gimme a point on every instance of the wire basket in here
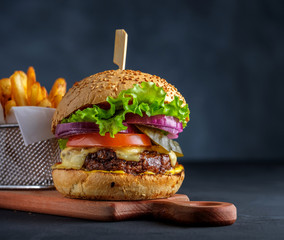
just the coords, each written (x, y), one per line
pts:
(25, 167)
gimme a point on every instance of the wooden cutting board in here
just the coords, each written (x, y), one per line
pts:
(177, 209)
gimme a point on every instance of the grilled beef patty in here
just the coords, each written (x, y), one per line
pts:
(106, 159)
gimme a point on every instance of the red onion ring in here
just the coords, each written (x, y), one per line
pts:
(166, 123)
(65, 130)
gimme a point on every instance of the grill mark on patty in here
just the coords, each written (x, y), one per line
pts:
(106, 159)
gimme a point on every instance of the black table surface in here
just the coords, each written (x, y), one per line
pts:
(257, 190)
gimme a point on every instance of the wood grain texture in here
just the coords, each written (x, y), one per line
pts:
(177, 209)
(120, 48)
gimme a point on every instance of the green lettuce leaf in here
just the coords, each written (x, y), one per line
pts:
(145, 98)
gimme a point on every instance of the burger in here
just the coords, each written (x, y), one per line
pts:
(116, 131)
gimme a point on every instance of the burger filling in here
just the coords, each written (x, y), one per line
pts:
(133, 135)
(133, 160)
(145, 99)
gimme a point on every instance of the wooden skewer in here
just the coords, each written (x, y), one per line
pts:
(120, 48)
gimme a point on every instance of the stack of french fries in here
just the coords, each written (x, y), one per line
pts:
(22, 89)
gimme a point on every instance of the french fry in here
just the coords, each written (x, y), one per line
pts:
(22, 89)
(58, 88)
(44, 92)
(24, 80)
(44, 103)
(5, 90)
(5, 87)
(56, 100)
(36, 95)
(19, 93)
(41, 95)
(31, 79)
(9, 105)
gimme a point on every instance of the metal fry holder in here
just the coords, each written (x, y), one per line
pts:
(25, 167)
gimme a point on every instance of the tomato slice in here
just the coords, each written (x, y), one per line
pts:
(119, 140)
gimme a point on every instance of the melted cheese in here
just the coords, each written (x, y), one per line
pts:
(175, 170)
(74, 158)
(173, 158)
(147, 172)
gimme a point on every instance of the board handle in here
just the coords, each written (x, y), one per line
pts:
(195, 213)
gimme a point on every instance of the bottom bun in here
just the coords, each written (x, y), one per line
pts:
(110, 186)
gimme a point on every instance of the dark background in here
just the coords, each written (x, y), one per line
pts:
(225, 57)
